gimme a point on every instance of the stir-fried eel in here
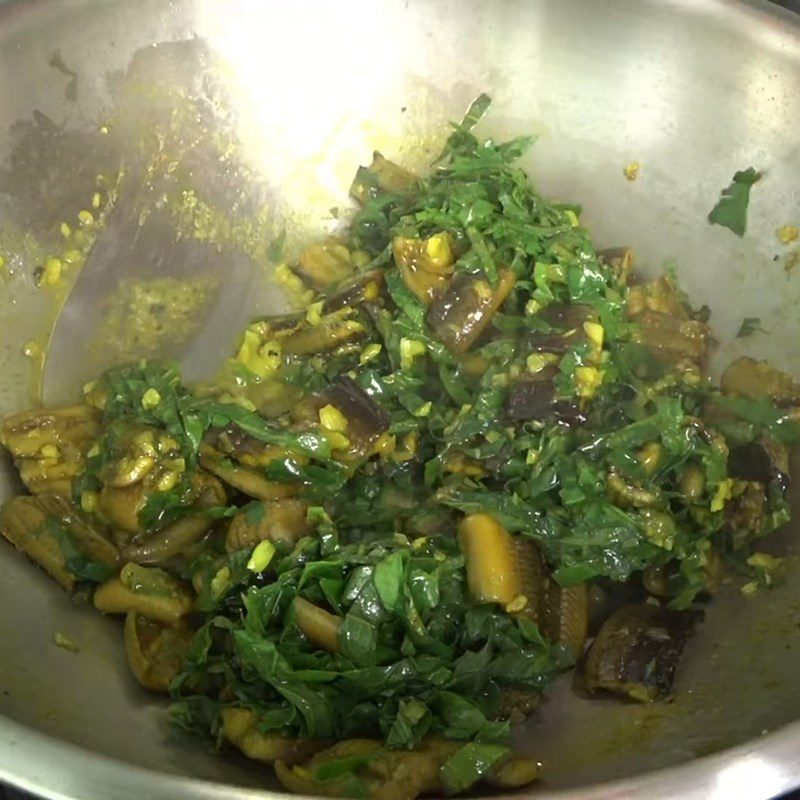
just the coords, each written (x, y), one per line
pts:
(480, 454)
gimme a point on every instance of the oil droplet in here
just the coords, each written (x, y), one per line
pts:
(32, 350)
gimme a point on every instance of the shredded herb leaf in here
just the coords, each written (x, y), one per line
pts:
(464, 768)
(748, 327)
(731, 209)
(408, 635)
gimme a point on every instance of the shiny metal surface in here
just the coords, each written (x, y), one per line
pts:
(303, 92)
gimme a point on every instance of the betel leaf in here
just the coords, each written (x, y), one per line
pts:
(358, 638)
(254, 512)
(476, 111)
(77, 563)
(324, 479)
(484, 255)
(464, 720)
(749, 326)
(469, 764)
(731, 209)
(198, 715)
(388, 579)
(425, 588)
(308, 443)
(162, 508)
(778, 423)
(462, 134)
(370, 687)
(338, 768)
(314, 707)
(405, 300)
(263, 657)
(412, 722)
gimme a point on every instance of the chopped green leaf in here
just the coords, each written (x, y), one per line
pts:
(82, 567)
(731, 209)
(749, 326)
(778, 423)
(469, 764)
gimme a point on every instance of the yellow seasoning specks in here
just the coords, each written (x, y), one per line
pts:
(51, 274)
(631, 171)
(64, 642)
(518, 604)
